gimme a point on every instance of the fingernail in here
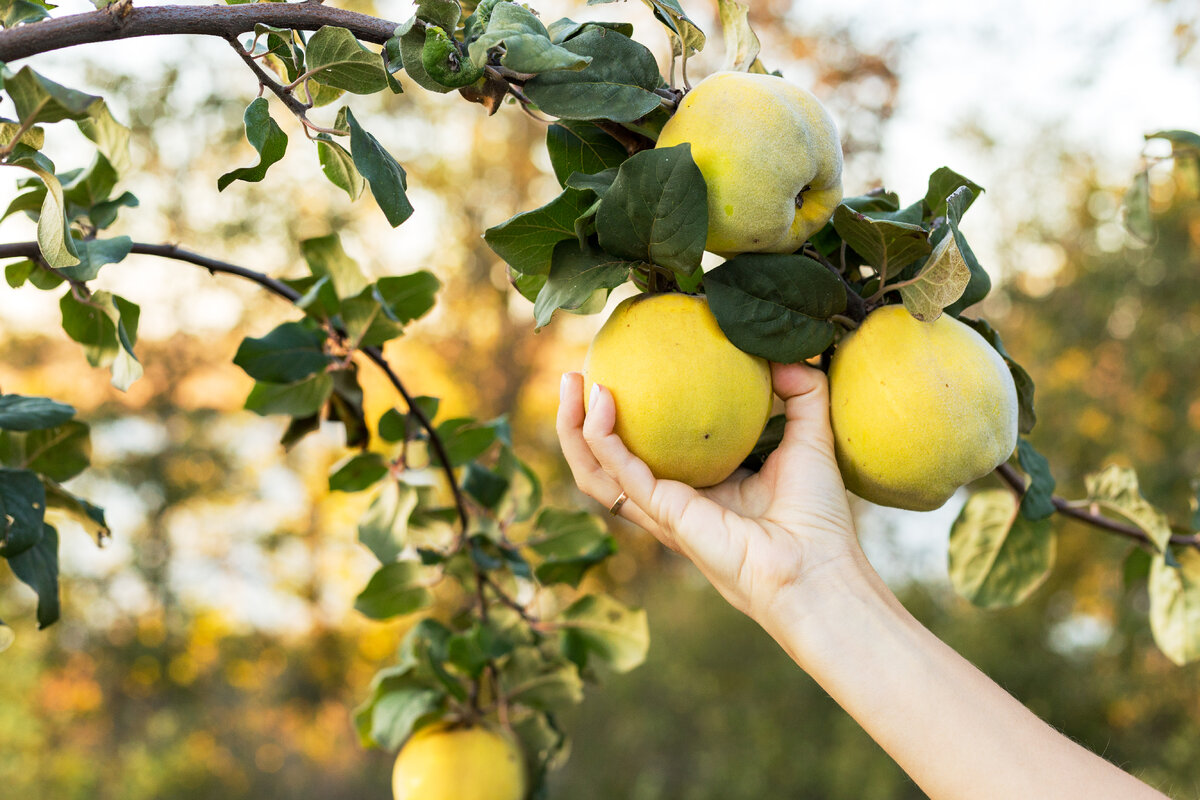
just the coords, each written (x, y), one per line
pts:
(562, 387)
(594, 396)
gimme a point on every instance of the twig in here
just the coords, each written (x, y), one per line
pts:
(1010, 476)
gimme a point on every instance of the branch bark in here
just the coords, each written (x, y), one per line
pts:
(223, 21)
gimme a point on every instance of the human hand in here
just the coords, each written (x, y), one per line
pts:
(756, 536)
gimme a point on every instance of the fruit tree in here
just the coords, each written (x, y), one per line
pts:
(721, 204)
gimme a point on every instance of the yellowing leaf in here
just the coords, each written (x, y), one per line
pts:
(940, 284)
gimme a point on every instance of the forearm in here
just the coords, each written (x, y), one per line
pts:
(956, 733)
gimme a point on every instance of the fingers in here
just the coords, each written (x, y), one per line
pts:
(589, 476)
(805, 394)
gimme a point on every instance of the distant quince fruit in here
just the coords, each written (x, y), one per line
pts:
(918, 408)
(771, 158)
(467, 762)
(689, 403)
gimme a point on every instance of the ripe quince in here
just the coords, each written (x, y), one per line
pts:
(918, 408)
(770, 156)
(459, 762)
(689, 403)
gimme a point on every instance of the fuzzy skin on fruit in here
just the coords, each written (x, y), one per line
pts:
(689, 403)
(770, 155)
(918, 408)
(443, 762)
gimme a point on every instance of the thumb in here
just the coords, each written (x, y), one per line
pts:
(805, 394)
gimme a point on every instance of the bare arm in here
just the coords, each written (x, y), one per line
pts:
(780, 546)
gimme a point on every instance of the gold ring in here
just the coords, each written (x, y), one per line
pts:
(615, 508)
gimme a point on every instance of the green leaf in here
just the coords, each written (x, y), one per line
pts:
(92, 185)
(884, 244)
(1138, 219)
(525, 42)
(22, 511)
(394, 590)
(484, 486)
(39, 99)
(1115, 488)
(684, 32)
(527, 241)
(16, 12)
(21, 413)
(570, 543)
(1026, 418)
(291, 352)
(597, 626)
(980, 283)
(656, 210)
(106, 326)
(400, 701)
(59, 453)
(941, 282)
(532, 680)
(110, 136)
(299, 399)
(54, 239)
(943, 183)
(1175, 605)
(265, 136)
(387, 178)
(337, 59)
(775, 306)
(575, 276)
(1038, 501)
(357, 473)
(16, 273)
(465, 439)
(576, 146)
(325, 257)
(563, 29)
(1136, 569)
(37, 568)
(380, 311)
(96, 253)
(338, 166)
(34, 138)
(618, 84)
(383, 529)
(105, 213)
(998, 557)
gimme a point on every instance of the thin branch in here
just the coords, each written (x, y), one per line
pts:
(1010, 476)
(212, 20)
(30, 250)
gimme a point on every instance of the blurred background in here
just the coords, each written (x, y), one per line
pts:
(211, 648)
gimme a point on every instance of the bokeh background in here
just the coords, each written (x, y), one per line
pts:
(211, 650)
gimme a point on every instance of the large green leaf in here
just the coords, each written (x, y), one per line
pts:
(22, 511)
(656, 210)
(532, 680)
(37, 568)
(527, 241)
(570, 543)
(575, 277)
(886, 245)
(386, 178)
(21, 413)
(400, 701)
(110, 136)
(997, 556)
(336, 58)
(577, 146)
(1175, 605)
(395, 589)
(943, 183)
(61, 452)
(266, 137)
(775, 306)
(289, 353)
(383, 529)
(39, 99)
(325, 257)
(598, 627)
(618, 84)
(338, 166)
(300, 399)
(54, 239)
(106, 325)
(96, 253)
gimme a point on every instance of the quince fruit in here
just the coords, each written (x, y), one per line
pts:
(689, 403)
(918, 408)
(771, 158)
(459, 762)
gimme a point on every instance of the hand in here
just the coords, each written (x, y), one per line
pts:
(756, 536)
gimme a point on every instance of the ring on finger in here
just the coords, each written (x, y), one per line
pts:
(615, 508)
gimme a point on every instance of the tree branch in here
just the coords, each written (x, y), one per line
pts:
(223, 21)
(31, 251)
(1010, 476)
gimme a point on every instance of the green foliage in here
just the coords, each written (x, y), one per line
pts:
(997, 556)
(265, 136)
